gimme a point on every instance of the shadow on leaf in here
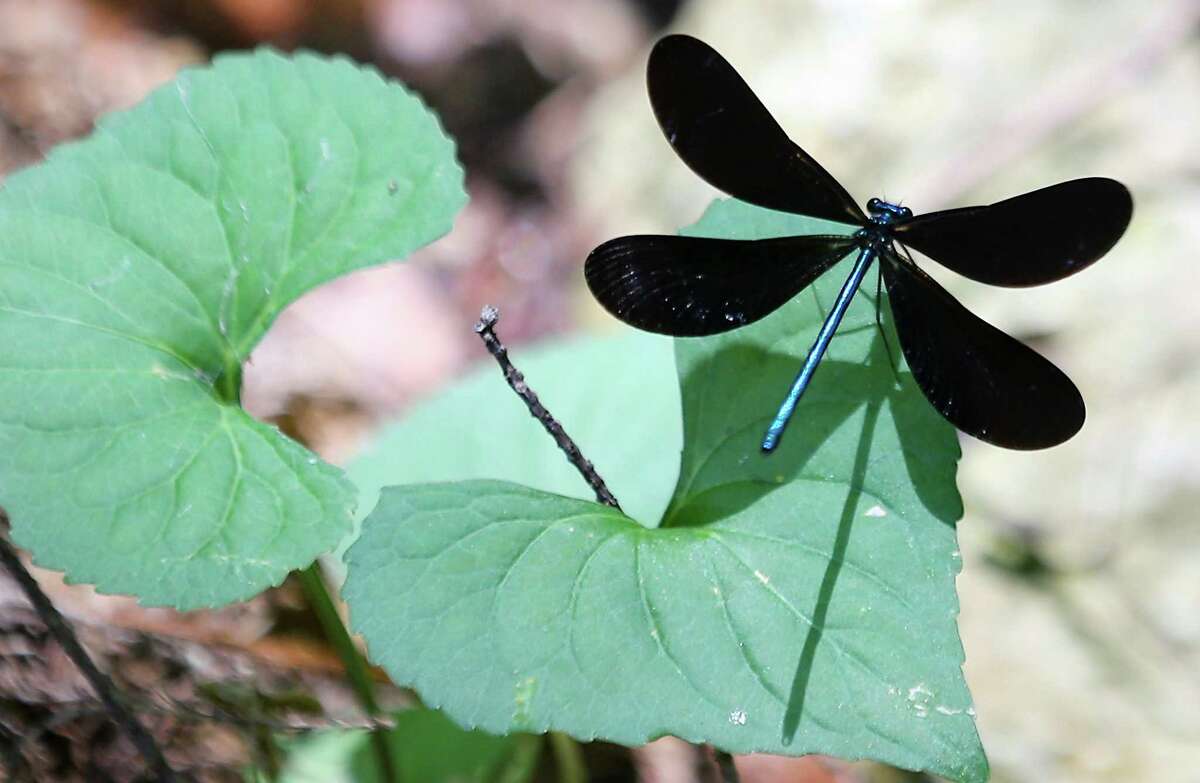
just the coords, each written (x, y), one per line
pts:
(728, 473)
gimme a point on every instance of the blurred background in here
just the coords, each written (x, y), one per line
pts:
(1081, 583)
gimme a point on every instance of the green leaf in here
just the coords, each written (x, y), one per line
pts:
(139, 267)
(615, 396)
(796, 603)
(430, 747)
(427, 746)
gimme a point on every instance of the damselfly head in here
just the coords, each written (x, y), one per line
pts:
(886, 213)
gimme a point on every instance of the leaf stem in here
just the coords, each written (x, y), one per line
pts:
(486, 329)
(522, 763)
(356, 667)
(229, 384)
(61, 630)
(568, 758)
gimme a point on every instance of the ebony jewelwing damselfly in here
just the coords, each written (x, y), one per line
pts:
(983, 381)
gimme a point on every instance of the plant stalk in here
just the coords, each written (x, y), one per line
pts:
(357, 671)
(568, 757)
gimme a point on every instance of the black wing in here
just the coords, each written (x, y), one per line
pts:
(985, 382)
(1029, 239)
(695, 286)
(724, 133)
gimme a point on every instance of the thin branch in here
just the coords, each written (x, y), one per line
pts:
(486, 329)
(101, 684)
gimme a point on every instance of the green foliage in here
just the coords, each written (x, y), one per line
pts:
(797, 603)
(428, 747)
(616, 397)
(138, 269)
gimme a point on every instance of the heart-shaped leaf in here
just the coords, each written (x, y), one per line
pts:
(796, 603)
(137, 270)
